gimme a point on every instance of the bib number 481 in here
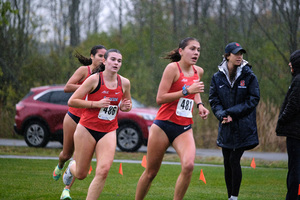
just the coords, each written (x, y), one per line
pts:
(185, 107)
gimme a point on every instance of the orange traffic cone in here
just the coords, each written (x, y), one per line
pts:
(120, 169)
(144, 161)
(90, 171)
(202, 178)
(253, 165)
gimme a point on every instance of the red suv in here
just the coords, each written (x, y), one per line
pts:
(39, 118)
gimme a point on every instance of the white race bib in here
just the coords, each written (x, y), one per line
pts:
(108, 113)
(185, 107)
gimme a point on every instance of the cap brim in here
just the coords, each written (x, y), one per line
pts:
(236, 50)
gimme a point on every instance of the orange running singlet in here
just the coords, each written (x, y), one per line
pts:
(78, 111)
(179, 111)
(104, 119)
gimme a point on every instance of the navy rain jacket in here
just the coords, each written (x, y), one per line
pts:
(239, 100)
(289, 116)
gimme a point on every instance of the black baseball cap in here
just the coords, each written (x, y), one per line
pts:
(234, 47)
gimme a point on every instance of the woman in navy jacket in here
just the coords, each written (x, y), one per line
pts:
(288, 125)
(233, 96)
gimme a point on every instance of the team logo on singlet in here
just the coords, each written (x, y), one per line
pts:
(112, 98)
(184, 80)
(105, 92)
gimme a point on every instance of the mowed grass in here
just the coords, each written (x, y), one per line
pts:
(32, 179)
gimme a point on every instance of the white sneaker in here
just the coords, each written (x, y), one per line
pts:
(68, 176)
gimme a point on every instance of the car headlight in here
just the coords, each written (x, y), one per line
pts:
(146, 116)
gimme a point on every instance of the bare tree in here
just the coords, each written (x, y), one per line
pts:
(180, 10)
(223, 13)
(196, 13)
(59, 16)
(152, 33)
(261, 18)
(16, 40)
(74, 22)
(174, 8)
(94, 14)
(291, 14)
(201, 14)
(120, 19)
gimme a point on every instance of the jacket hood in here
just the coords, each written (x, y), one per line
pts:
(296, 72)
(223, 68)
(223, 65)
(295, 61)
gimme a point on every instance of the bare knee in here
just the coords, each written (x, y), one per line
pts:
(150, 174)
(188, 167)
(81, 175)
(102, 172)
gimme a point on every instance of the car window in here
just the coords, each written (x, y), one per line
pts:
(45, 97)
(56, 97)
(27, 95)
(137, 104)
(60, 97)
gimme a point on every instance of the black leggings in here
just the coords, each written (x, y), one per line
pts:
(233, 170)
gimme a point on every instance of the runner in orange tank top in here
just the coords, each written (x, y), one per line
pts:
(106, 92)
(103, 120)
(75, 113)
(170, 111)
(90, 65)
(179, 88)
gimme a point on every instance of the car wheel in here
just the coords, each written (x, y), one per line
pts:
(129, 138)
(36, 134)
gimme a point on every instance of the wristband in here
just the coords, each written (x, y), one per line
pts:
(199, 104)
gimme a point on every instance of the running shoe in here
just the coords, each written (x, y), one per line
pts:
(65, 195)
(57, 173)
(68, 176)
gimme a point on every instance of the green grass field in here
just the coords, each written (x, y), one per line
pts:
(32, 179)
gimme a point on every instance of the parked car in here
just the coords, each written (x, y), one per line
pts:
(39, 118)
